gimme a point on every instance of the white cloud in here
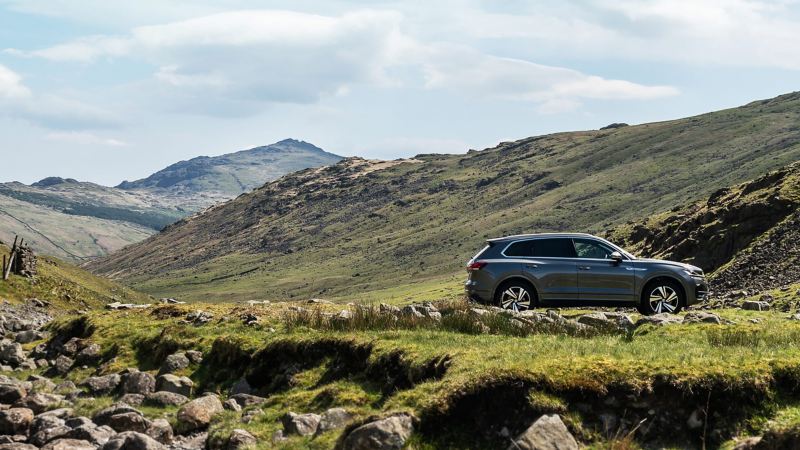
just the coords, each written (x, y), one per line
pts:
(11, 86)
(84, 138)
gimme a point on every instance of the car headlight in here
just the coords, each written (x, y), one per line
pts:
(693, 273)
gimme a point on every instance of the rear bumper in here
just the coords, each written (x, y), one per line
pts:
(475, 294)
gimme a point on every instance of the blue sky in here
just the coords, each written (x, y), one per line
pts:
(104, 90)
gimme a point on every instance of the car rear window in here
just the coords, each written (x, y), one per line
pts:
(551, 247)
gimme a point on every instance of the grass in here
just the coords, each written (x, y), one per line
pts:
(444, 375)
(66, 287)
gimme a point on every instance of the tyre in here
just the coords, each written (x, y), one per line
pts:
(515, 295)
(662, 296)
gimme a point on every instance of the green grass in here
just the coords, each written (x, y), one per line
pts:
(373, 371)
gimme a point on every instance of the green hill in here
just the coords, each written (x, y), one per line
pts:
(391, 229)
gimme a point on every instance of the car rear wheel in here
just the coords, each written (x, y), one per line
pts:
(515, 296)
(662, 296)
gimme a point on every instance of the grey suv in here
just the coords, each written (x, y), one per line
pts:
(575, 269)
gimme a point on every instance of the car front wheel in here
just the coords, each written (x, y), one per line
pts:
(662, 296)
(515, 296)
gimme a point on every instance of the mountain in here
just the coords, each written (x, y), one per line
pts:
(746, 235)
(210, 179)
(391, 229)
(79, 220)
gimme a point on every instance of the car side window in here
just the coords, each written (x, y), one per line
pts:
(520, 248)
(587, 248)
(554, 248)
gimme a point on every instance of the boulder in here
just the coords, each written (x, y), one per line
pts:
(128, 421)
(40, 402)
(138, 383)
(197, 414)
(62, 365)
(240, 438)
(241, 386)
(390, 433)
(231, 405)
(658, 319)
(11, 352)
(701, 317)
(160, 430)
(302, 424)
(28, 336)
(546, 433)
(753, 305)
(163, 398)
(103, 417)
(68, 444)
(102, 385)
(174, 362)
(334, 418)
(132, 399)
(18, 446)
(195, 356)
(245, 400)
(92, 433)
(15, 421)
(131, 440)
(10, 393)
(45, 421)
(75, 422)
(173, 383)
(42, 384)
(42, 437)
(61, 413)
(89, 355)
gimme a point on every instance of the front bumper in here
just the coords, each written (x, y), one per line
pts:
(697, 290)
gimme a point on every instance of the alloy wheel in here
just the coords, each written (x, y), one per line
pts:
(664, 299)
(516, 298)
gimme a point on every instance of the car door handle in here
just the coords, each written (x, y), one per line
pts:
(584, 267)
(531, 266)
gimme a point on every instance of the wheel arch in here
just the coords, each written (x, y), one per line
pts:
(662, 277)
(516, 278)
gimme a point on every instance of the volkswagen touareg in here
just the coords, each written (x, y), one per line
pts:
(575, 269)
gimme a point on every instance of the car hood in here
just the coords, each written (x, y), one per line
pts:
(664, 262)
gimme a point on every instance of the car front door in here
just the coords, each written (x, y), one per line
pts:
(601, 278)
(552, 269)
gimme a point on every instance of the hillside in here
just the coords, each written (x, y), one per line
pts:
(80, 220)
(748, 235)
(392, 229)
(223, 177)
(65, 286)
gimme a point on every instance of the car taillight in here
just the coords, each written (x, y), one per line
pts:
(477, 265)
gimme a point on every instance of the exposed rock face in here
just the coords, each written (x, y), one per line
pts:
(390, 433)
(546, 433)
(197, 414)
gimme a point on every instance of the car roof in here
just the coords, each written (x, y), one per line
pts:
(536, 235)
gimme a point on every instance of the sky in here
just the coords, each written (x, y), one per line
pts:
(106, 90)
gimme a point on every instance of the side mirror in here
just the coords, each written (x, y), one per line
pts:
(616, 257)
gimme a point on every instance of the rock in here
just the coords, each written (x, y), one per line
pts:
(302, 424)
(164, 398)
(752, 305)
(160, 430)
(42, 384)
(658, 319)
(44, 436)
(138, 383)
(102, 385)
(251, 414)
(89, 355)
(750, 443)
(388, 309)
(333, 418)
(695, 420)
(15, 421)
(197, 414)
(195, 356)
(241, 386)
(70, 348)
(231, 405)
(103, 417)
(28, 336)
(75, 422)
(546, 433)
(60, 413)
(199, 318)
(600, 321)
(92, 433)
(701, 317)
(132, 399)
(11, 352)
(194, 441)
(10, 393)
(390, 433)
(174, 362)
(62, 365)
(68, 444)
(173, 383)
(411, 311)
(132, 440)
(43, 422)
(128, 421)
(40, 402)
(240, 438)
(245, 400)
(278, 436)
(18, 446)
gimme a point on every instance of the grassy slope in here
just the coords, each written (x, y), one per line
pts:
(695, 366)
(66, 236)
(65, 286)
(409, 228)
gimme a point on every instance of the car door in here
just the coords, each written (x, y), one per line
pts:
(599, 277)
(551, 267)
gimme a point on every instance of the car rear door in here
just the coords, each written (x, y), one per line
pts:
(552, 269)
(599, 277)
